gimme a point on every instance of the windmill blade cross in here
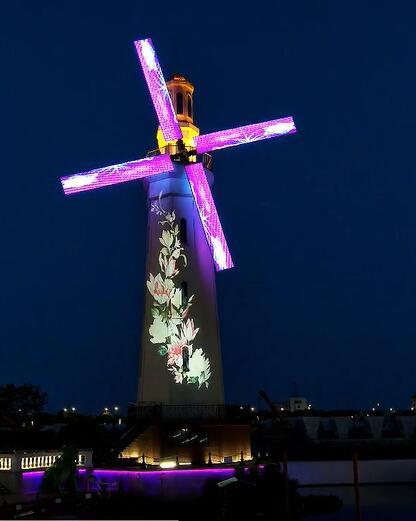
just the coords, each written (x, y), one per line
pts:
(172, 132)
(209, 216)
(247, 134)
(158, 90)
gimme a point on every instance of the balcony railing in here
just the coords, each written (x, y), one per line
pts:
(173, 149)
(181, 412)
(19, 460)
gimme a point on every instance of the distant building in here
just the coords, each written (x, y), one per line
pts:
(413, 402)
(295, 403)
(298, 403)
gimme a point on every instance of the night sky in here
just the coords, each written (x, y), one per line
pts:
(321, 225)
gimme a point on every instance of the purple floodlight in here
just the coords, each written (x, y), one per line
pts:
(158, 90)
(111, 175)
(209, 216)
(247, 134)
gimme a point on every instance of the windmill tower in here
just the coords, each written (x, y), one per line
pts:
(180, 347)
(181, 361)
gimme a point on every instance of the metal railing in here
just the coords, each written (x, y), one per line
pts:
(22, 460)
(181, 412)
(173, 149)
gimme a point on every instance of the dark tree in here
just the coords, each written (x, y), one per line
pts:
(20, 404)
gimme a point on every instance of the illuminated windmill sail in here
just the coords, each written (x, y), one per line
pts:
(171, 130)
(181, 359)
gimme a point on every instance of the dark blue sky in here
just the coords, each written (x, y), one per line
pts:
(322, 225)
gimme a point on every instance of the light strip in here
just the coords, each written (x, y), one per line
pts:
(111, 175)
(209, 216)
(242, 135)
(158, 90)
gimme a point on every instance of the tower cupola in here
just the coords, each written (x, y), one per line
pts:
(181, 92)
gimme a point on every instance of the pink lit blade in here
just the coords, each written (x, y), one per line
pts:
(115, 174)
(209, 216)
(158, 90)
(242, 135)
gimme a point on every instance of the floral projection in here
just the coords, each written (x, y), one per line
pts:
(172, 328)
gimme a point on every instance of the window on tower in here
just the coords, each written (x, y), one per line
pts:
(185, 359)
(183, 232)
(184, 293)
(189, 106)
(179, 103)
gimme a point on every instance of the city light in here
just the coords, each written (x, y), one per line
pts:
(171, 464)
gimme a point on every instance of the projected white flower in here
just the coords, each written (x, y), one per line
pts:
(159, 331)
(199, 367)
(172, 329)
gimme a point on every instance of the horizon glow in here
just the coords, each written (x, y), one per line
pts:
(247, 134)
(158, 90)
(115, 174)
(209, 216)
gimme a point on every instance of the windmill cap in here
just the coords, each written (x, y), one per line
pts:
(179, 78)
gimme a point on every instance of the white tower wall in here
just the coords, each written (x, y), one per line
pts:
(171, 193)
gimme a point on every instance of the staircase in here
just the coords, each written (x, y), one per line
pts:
(145, 421)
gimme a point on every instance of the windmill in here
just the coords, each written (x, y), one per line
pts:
(181, 361)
